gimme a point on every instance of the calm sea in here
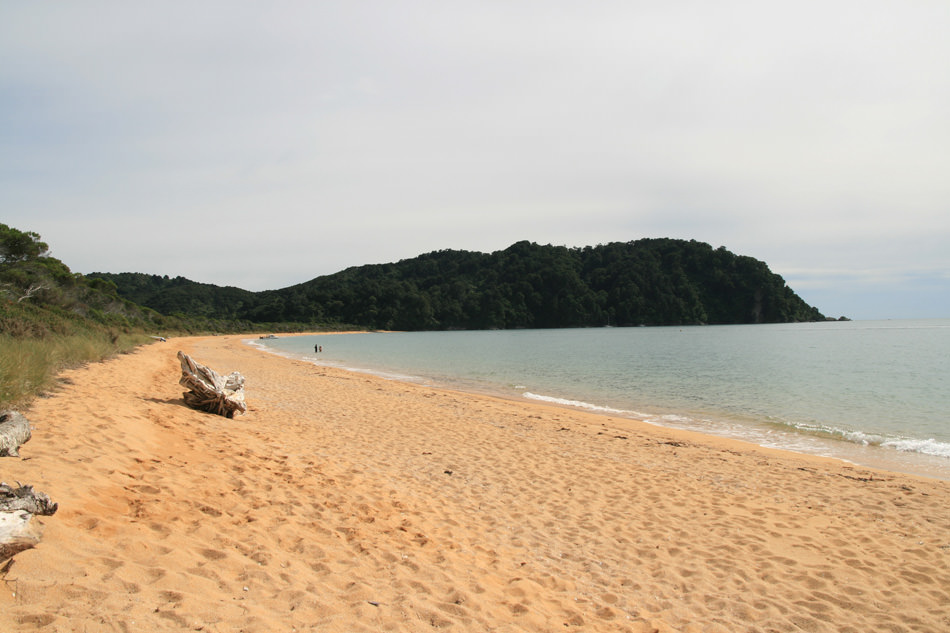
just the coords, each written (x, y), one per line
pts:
(871, 392)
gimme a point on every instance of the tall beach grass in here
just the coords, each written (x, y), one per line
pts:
(28, 366)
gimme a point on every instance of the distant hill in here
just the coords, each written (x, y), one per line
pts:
(644, 282)
(181, 296)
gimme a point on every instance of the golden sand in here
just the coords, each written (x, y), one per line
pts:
(343, 502)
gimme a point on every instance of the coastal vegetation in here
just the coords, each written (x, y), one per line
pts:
(644, 282)
(52, 318)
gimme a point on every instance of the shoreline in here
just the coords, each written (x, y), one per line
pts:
(797, 442)
(346, 502)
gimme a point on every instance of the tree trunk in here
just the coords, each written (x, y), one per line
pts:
(14, 431)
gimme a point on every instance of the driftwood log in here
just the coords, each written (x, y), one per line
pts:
(14, 431)
(209, 391)
(17, 507)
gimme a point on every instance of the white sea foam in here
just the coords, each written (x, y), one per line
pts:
(576, 403)
(926, 447)
(672, 418)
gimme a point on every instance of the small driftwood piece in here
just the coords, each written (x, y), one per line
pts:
(17, 507)
(209, 391)
(14, 431)
(25, 498)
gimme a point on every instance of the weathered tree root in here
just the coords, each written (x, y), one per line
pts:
(208, 391)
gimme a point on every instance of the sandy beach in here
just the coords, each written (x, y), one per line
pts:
(343, 502)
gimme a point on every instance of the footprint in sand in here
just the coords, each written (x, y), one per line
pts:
(213, 554)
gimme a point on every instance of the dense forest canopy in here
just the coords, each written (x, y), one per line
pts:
(527, 285)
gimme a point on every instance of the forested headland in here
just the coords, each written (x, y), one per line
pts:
(527, 285)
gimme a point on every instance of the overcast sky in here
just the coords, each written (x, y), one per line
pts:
(262, 144)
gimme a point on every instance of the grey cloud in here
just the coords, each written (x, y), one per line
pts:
(806, 134)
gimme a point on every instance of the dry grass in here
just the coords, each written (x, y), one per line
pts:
(28, 366)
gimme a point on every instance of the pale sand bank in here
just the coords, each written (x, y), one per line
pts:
(343, 502)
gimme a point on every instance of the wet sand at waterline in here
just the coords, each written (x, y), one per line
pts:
(346, 502)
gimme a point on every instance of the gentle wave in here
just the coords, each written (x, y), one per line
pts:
(577, 403)
(926, 447)
(667, 419)
(929, 446)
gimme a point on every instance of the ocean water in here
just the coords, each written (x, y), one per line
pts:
(874, 393)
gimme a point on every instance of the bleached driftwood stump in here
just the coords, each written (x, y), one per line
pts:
(17, 507)
(209, 391)
(14, 431)
(17, 533)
